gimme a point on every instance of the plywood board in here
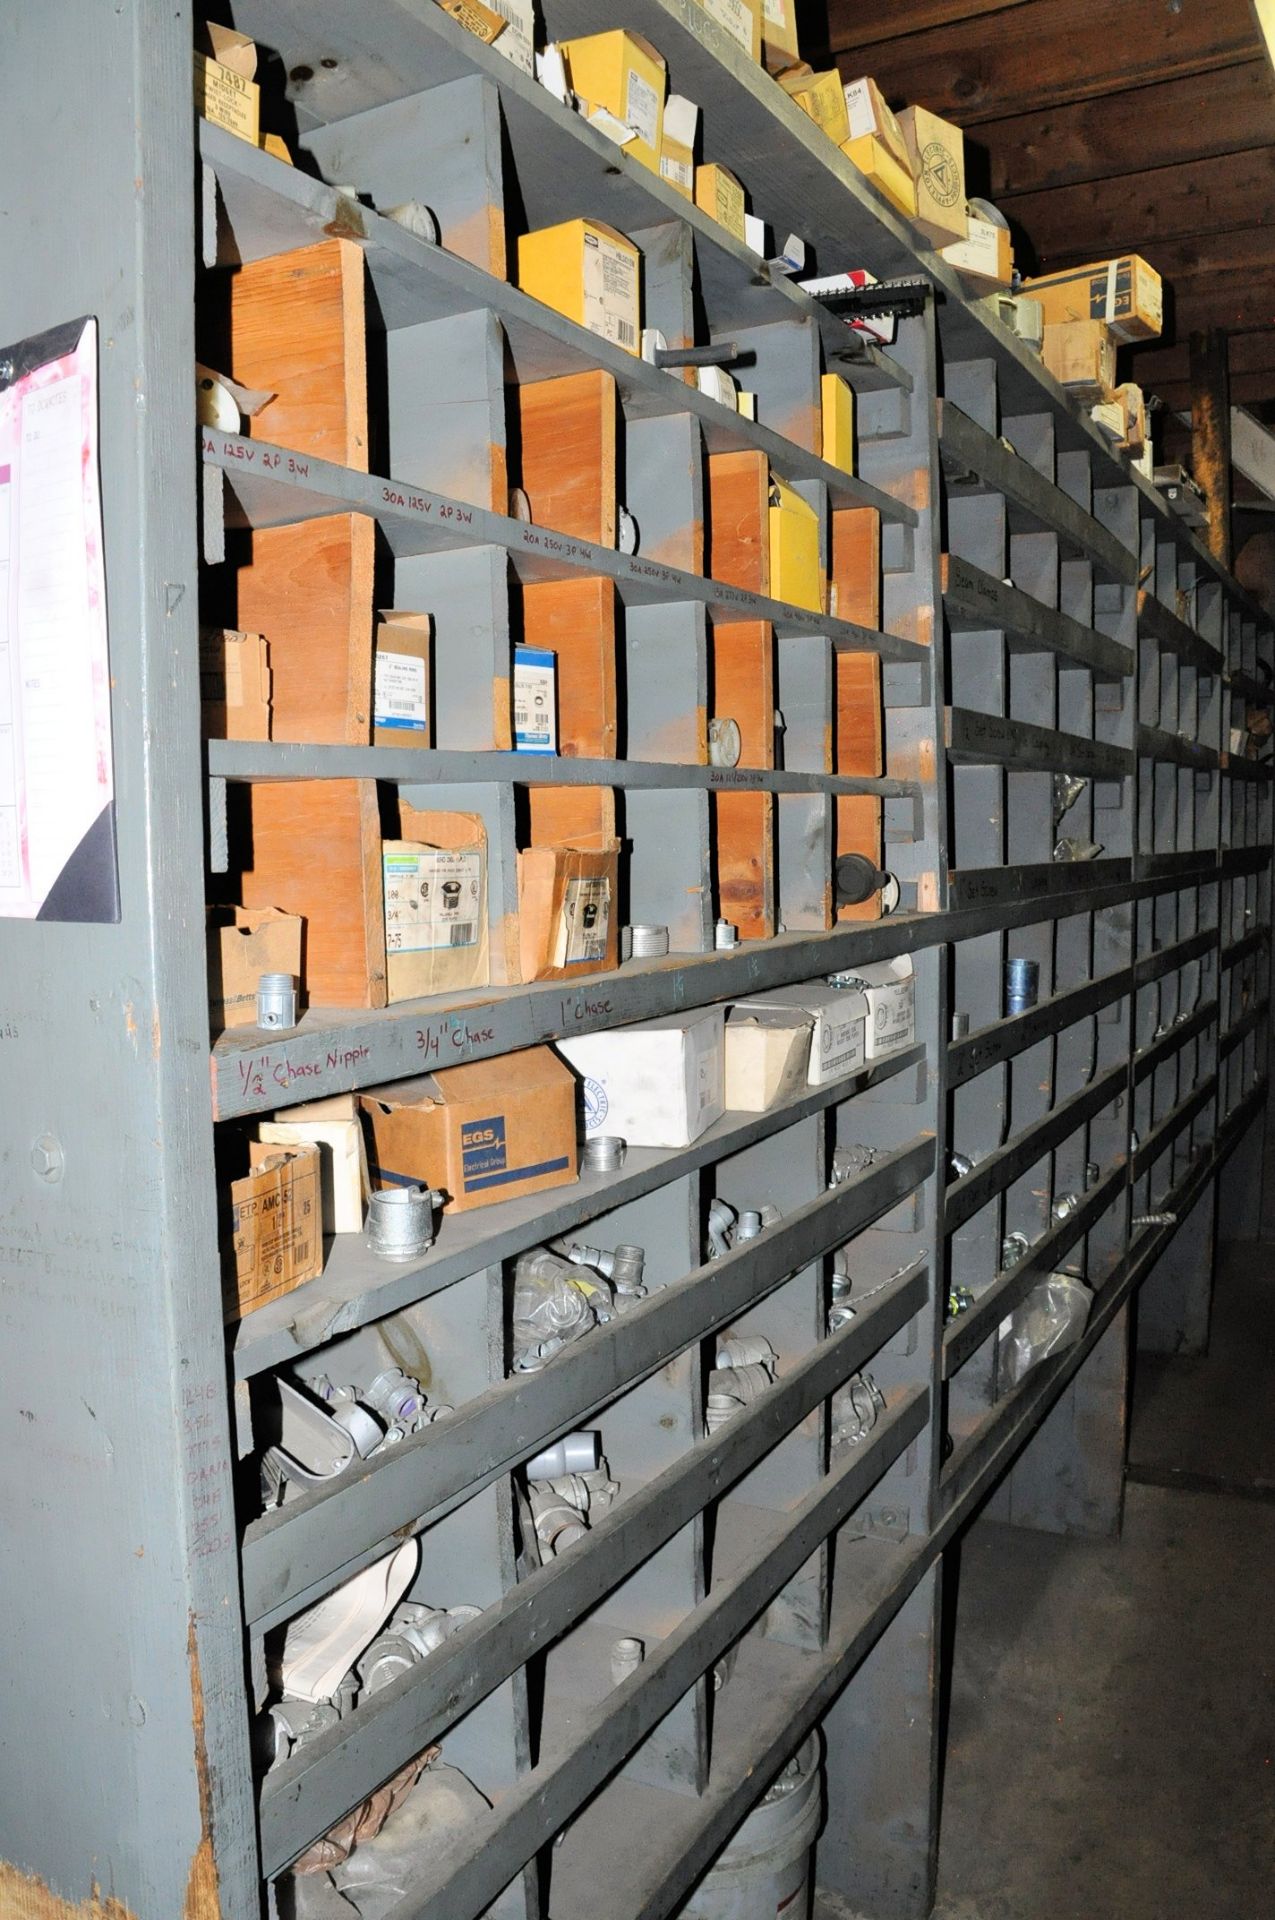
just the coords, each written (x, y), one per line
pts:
(575, 619)
(314, 848)
(855, 571)
(298, 329)
(739, 520)
(308, 589)
(744, 849)
(568, 434)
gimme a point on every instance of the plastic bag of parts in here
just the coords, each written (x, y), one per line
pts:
(554, 1303)
(1051, 1319)
(377, 1873)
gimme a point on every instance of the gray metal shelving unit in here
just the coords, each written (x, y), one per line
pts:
(1043, 612)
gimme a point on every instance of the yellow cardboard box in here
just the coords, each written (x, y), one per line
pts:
(837, 403)
(742, 21)
(1126, 293)
(588, 272)
(823, 97)
(796, 576)
(779, 34)
(482, 1132)
(719, 194)
(1081, 355)
(868, 116)
(886, 171)
(985, 258)
(677, 145)
(937, 151)
(225, 91)
(621, 73)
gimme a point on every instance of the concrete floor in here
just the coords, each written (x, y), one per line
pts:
(1111, 1749)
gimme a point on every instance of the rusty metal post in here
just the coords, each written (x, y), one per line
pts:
(1211, 434)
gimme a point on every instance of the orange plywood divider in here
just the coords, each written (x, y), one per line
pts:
(568, 431)
(860, 750)
(743, 664)
(298, 329)
(856, 566)
(308, 589)
(739, 520)
(315, 849)
(575, 619)
(570, 816)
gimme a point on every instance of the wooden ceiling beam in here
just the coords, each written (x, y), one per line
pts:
(1189, 119)
(851, 24)
(1054, 52)
(1247, 389)
(1144, 210)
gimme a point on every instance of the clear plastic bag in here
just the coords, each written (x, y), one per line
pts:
(1051, 1319)
(554, 1303)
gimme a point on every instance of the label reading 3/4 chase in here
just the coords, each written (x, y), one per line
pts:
(431, 899)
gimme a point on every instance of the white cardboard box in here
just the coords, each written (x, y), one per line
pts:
(767, 1053)
(333, 1127)
(837, 1018)
(889, 987)
(658, 1084)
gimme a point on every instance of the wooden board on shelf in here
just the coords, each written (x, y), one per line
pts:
(308, 588)
(568, 435)
(739, 520)
(298, 329)
(855, 571)
(575, 619)
(860, 750)
(313, 847)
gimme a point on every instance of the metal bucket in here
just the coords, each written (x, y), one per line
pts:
(764, 1869)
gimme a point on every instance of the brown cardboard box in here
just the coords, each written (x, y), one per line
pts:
(878, 163)
(742, 21)
(1125, 292)
(1081, 355)
(568, 910)
(484, 22)
(244, 943)
(823, 97)
(435, 905)
(225, 91)
(400, 681)
(234, 684)
(937, 151)
(985, 258)
(482, 1132)
(719, 194)
(869, 117)
(276, 1224)
(779, 34)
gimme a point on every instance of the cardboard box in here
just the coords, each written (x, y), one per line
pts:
(518, 41)
(837, 405)
(567, 910)
(890, 175)
(869, 118)
(836, 1019)
(985, 258)
(657, 1084)
(482, 1132)
(622, 75)
(400, 685)
(244, 943)
(276, 1227)
(742, 21)
(225, 91)
(1081, 355)
(823, 97)
(1126, 293)
(719, 194)
(766, 1057)
(588, 272)
(677, 145)
(535, 700)
(937, 151)
(436, 905)
(1133, 403)
(889, 988)
(333, 1126)
(779, 34)
(234, 684)
(484, 22)
(796, 574)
